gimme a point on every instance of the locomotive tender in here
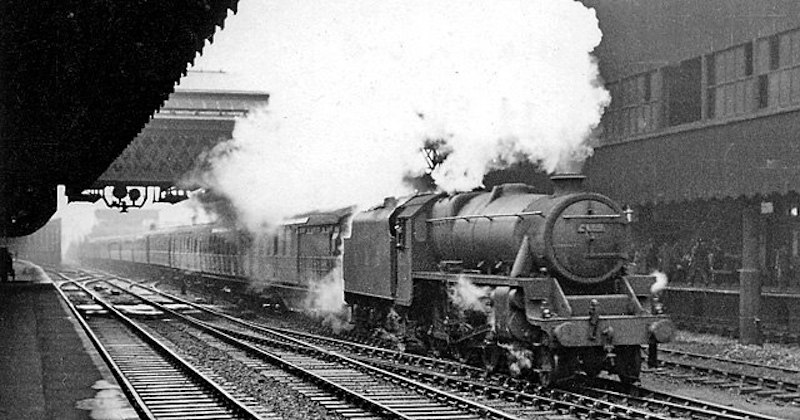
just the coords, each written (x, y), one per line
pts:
(545, 274)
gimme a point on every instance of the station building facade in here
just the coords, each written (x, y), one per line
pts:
(702, 141)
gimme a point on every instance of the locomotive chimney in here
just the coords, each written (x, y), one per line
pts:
(390, 202)
(566, 183)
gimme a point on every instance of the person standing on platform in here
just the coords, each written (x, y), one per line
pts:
(6, 264)
(698, 263)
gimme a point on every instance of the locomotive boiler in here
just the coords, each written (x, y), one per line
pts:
(545, 274)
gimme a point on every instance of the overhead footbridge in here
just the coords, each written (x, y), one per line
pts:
(157, 166)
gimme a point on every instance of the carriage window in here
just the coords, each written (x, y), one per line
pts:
(333, 241)
(400, 234)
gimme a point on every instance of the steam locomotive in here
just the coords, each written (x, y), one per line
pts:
(508, 278)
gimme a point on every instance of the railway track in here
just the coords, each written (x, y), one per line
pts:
(590, 398)
(343, 385)
(745, 377)
(612, 397)
(606, 390)
(158, 382)
(388, 395)
(489, 404)
(698, 356)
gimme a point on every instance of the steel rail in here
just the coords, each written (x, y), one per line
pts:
(611, 410)
(687, 405)
(230, 337)
(231, 403)
(127, 388)
(665, 399)
(730, 379)
(688, 354)
(570, 402)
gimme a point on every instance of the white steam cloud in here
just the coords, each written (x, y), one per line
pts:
(326, 295)
(467, 296)
(184, 213)
(660, 283)
(325, 299)
(519, 358)
(110, 403)
(357, 87)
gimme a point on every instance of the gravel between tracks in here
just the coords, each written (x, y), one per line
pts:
(769, 354)
(285, 402)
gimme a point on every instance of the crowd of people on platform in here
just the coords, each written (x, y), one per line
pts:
(694, 261)
(702, 261)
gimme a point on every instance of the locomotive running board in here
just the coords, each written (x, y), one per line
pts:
(477, 279)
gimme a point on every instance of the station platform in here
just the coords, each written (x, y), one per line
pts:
(48, 367)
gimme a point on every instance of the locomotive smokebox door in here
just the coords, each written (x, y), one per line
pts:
(585, 240)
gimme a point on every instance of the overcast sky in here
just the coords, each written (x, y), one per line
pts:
(357, 87)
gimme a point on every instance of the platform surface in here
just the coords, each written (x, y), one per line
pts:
(48, 367)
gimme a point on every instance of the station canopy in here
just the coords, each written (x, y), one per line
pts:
(746, 158)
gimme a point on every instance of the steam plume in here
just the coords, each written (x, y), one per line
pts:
(660, 284)
(326, 294)
(519, 358)
(466, 296)
(325, 299)
(358, 87)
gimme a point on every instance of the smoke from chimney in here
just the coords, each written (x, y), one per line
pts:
(357, 88)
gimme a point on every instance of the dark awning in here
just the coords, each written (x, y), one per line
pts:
(78, 81)
(756, 156)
